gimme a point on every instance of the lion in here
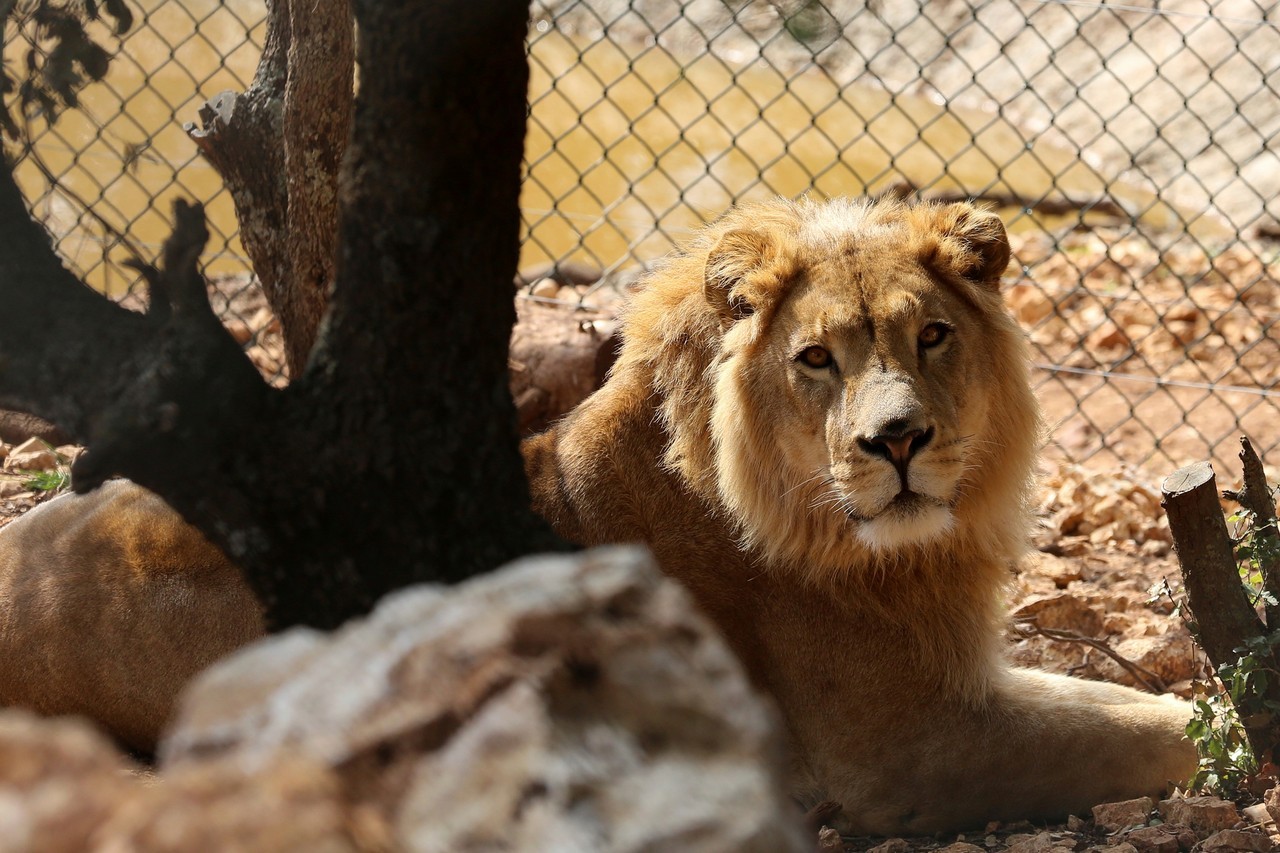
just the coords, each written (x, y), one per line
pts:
(822, 424)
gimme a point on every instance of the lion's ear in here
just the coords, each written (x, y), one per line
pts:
(738, 254)
(969, 242)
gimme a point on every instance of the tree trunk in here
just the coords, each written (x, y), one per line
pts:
(393, 458)
(278, 148)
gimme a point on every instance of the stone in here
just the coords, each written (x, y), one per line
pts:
(59, 781)
(962, 847)
(294, 804)
(10, 488)
(566, 702)
(1258, 814)
(1114, 817)
(1152, 839)
(1062, 610)
(1271, 799)
(1123, 847)
(893, 845)
(1040, 843)
(1237, 841)
(829, 841)
(545, 288)
(32, 455)
(1203, 814)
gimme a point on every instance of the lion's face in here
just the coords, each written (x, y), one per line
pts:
(870, 388)
(874, 371)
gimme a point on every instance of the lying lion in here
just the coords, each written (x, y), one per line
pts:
(821, 423)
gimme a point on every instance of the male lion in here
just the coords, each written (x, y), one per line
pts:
(821, 423)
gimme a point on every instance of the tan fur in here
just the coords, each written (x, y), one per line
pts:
(109, 603)
(873, 624)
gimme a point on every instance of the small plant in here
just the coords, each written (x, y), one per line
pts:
(1227, 763)
(48, 481)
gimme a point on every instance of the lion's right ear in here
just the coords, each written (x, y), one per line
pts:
(738, 254)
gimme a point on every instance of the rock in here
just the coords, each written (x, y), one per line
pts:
(1204, 814)
(32, 455)
(829, 841)
(17, 427)
(1258, 814)
(1041, 843)
(59, 781)
(1123, 847)
(10, 488)
(1059, 570)
(562, 703)
(1114, 817)
(544, 288)
(962, 847)
(1271, 799)
(559, 354)
(1152, 839)
(1233, 840)
(893, 845)
(1061, 610)
(1170, 655)
(294, 804)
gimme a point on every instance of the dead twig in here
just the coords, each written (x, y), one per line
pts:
(1026, 628)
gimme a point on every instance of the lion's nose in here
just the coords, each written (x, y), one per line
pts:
(898, 444)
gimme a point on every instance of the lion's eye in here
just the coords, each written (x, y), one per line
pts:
(933, 334)
(815, 357)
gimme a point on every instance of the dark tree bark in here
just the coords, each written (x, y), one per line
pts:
(278, 147)
(393, 458)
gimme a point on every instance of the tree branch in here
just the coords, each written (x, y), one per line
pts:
(44, 303)
(1148, 679)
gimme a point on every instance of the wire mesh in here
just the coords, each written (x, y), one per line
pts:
(1130, 148)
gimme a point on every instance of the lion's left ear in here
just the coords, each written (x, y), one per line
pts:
(966, 241)
(730, 267)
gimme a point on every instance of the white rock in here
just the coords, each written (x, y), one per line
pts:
(564, 703)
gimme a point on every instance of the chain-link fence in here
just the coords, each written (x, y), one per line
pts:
(1130, 148)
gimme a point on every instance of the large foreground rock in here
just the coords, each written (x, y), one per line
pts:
(564, 703)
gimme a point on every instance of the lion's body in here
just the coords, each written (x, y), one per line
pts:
(850, 526)
(109, 603)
